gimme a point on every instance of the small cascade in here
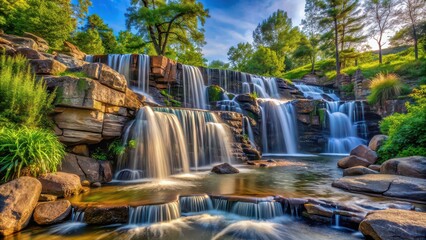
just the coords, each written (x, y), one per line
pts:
(315, 92)
(229, 105)
(265, 87)
(261, 210)
(247, 130)
(156, 147)
(89, 58)
(195, 203)
(143, 73)
(194, 91)
(77, 216)
(154, 213)
(221, 204)
(279, 127)
(343, 132)
(246, 88)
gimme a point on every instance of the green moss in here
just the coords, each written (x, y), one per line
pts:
(253, 95)
(322, 116)
(215, 93)
(349, 88)
(74, 74)
(82, 85)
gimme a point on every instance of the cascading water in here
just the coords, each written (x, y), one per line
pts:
(154, 213)
(166, 141)
(343, 119)
(279, 127)
(194, 91)
(247, 130)
(195, 203)
(265, 87)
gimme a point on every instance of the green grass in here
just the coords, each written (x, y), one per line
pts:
(74, 74)
(384, 87)
(24, 100)
(32, 151)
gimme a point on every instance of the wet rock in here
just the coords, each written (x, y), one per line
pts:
(271, 161)
(375, 167)
(60, 184)
(305, 105)
(358, 170)
(82, 150)
(47, 198)
(251, 163)
(264, 165)
(224, 168)
(18, 198)
(414, 166)
(96, 185)
(86, 168)
(394, 224)
(52, 212)
(365, 152)
(103, 215)
(377, 141)
(313, 209)
(387, 185)
(47, 66)
(85, 183)
(352, 161)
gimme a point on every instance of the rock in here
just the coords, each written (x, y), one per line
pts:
(96, 184)
(105, 171)
(30, 53)
(18, 198)
(375, 167)
(377, 141)
(87, 168)
(52, 212)
(8, 50)
(73, 137)
(318, 210)
(85, 183)
(79, 119)
(42, 44)
(414, 166)
(250, 163)
(305, 105)
(47, 198)
(73, 51)
(387, 185)
(60, 184)
(358, 170)
(47, 66)
(106, 76)
(103, 215)
(352, 161)
(365, 152)
(264, 165)
(394, 224)
(82, 150)
(113, 125)
(70, 62)
(224, 168)
(20, 41)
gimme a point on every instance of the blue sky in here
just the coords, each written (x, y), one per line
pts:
(230, 22)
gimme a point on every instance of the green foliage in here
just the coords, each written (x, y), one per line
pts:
(217, 64)
(100, 154)
(253, 95)
(9, 9)
(89, 41)
(77, 74)
(215, 93)
(130, 43)
(264, 62)
(168, 23)
(384, 87)
(407, 132)
(190, 56)
(239, 55)
(349, 88)
(28, 150)
(23, 99)
(170, 101)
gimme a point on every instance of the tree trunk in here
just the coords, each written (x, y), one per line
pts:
(380, 54)
(336, 43)
(416, 48)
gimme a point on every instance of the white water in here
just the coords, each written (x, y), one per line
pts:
(247, 129)
(195, 203)
(261, 210)
(154, 213)
(194, 91)
(315, 92)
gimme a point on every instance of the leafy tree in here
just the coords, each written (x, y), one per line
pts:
(130, 43)
(412, 14)
(380, 19)
(89, 42)
(9, 8)
(264, 62)
(277, 33)
(168, 22)
(109, 42)
(217, 64)
(239, 55)
(190, 56)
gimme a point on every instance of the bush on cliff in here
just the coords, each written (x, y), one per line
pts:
(23, 99)
(407, 132)
(28, 151)
(384, 87)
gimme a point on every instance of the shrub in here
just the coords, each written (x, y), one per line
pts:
(384, 87)
(407, 132)
(215, 93)
(30, 150)
(23, 99)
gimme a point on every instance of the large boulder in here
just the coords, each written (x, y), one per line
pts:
(103, 215)
(106, 76)
(394, 224)
(60, 184)
(70, 62)
(414, 166)
(42, 44)
(30, 53)
(87, 168)
(358, 170)
(73, 51)
(224, 168)
(18, 199)
(47, 66)
(377, 141)
(365, 152)
(352, 161)
(385, 184)
(52, 212)
(20, 41)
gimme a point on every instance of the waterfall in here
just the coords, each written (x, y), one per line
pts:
(195, 203)
(343, 132)
(89, 58)
(279, 127)
(265, 87)
(143, 73)
(165, 141)
(247, 130)
(229, 105)
(194, 91)
(77, 216)
(315, 92)
(154, 213)
(261, 210)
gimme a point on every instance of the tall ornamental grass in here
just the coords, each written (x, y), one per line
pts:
(29, 151)
(23, 99)
(384, 87)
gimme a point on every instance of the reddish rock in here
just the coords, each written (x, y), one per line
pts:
(60, 184)
(47, 67)
(52, 212)
(224, 168)
(352, 161)
(103, 215)
(414, 166)
(377, 141)
(365, 152)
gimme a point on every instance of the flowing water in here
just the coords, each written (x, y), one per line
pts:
(194, 91)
